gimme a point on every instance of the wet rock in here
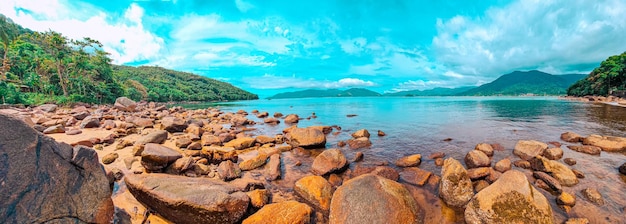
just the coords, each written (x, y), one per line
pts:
(485, 148)
(54, 129)
(503, 165)
(372, 199)
(189, 200)
(359, 157)
(90, 122)
(578, 173)
(271, 120)
(253, 163)
(566, 199)
(157, 137)
(553, 153)
(381, 133)
(606, 143)
(386, 172)
(361, 133)
(278, 114)
(480, 185)
(569, 161)
(259, 197)
(455, 187)
(408, 161)
(358, 143)
(110, 158)
(272, 170)
(478, 173)
(325, 129)
(511, 199)
(522, 164)
(476, 158)
(240, 143)
(315, 190)
(328, 161)
(556, 169)
(125, 104)
(493, 175)
(571, 137)
(593, 195)
(307, 138)
(415, 176)
(622, 169)
(439, 162)
(42, 179)
(286, 212)
(436, 155)
(588, 149)
(527, 149)
(156, 157)
(227, 170)
(262, 114)
(173, 124)
(553, 184)
(341, 144)
(292, 118)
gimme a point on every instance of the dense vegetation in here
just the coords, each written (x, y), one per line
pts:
(433, 92)
(41, 67)
(354, 92)
(611, 75)
(530, 82)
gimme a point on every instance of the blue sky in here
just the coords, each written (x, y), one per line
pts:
(271, 46)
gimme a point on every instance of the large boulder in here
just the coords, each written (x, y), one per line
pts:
(307, 138)
(607, 143)
(48, 107)
(527, 149)
(173, 124)
(511, 199)
(556, 169)
(90, 122)
(455, 187)
(46, 181)
(125, 104)
(240, 143)
(372, 199)
(155, 157)
(287, 212)
(157, 137)
(315, 190)
(292, 118)
(328, 161)
(189, 200)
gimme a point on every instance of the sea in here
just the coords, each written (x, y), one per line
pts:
(454, 125)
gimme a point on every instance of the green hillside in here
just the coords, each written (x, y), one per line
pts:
(611, 75)
(313, 93)
(530, 82)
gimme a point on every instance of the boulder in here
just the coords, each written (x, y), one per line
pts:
(189, 200)
(593, 195)
(527, 149)
(503, 165)
(48, 108)
(315, 190)
(386, 172)
(485, 148)
(358, 143)
(606, 143)
(622, 169)
(556, 169)
(328, 161)
(415, 176)
(81, 115)
(373, 199)
(292, 118)
(264, 139)
(553, 184)
(209, 139)
(259, 197)
(54, 129)
(227, 170)
(90, 122)
(307, 138)
(156, 157)
(143, 122)
(240, 143)
(511, 199)
(588, 149)
(181, 165)
(476, 158)
(571, 137)
(455, 187)
(408, 161)
(182, 142)
(46, 181)
(361, 133)
(553, 153)
(287, 212)
(325, 129)
(272, 170)
(173, 124)
(253, 163)
(125, 104)
(157, 137)
(271, 120)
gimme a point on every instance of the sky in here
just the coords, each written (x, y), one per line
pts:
(273, 46)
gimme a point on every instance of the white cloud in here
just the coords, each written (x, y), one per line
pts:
(269, 81)
(416, 85)
(243, 6)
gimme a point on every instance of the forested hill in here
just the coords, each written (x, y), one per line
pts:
(611, 75)
(529, 82)
(42, 67)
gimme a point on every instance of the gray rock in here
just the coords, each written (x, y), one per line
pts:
(155, 157)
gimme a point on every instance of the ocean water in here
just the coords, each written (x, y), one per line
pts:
(420, 124)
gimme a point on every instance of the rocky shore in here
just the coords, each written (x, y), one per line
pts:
(137, 162)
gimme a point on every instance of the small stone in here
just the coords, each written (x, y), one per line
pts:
(436, 155)
(577, 221)
(497, 147)
(328, 161)
(566, 199)
(110, 158)
(439, 162)
(477, 158)
(335, 180)
(588, 149)
(479, 185)
(622, 169)
(485, 148)
(381, 133)
(571, 137)
(553, 185)
(415, 176)
(503, 165)
(358, 156)
(553, 153)
(593, 195)
(522, 164)
(409, 161)
(358, 143)
(183, 142)
(272, 170)
(341, 143)
(54, 129)
(361, 133)
(478, 173)
(569, 161)
(253, 163)
(578, 173)
(259, 197)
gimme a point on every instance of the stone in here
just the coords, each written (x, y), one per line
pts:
(556, 169)
(125, 104)
(622, 169)
(358, 156)
(373, 199)
(315, 190)
(569, 161)
(264, 139)
(341, 144)
(110, 158)
(593, 195)
(386, 172)
(189, 200)
(522, 164)
(485, 148)
(408, 161)
(209, 139)
(240, 143)
(606, 143)
(253, 163)
(278, 114)
(157, 137)
(571, 137)
(286, 212)
(381, 133)
(436, 155)
(259, 197)
(588, 149)
(173, 124)
(156, 157)
(335, 180)
(511, 199)
(90, 122)
(577, 221)
(328, 161)
(48, 108)
(358, 143)
(480, 185)
(109, 124)
(271, 120)
(478, 173)
(503, 165)
(262, 114)
(476, 158)
(307, 138)
(272, 170)
(553, 184)
(181, 165)
(47, 181)
(439, 162)
(415, 176)
(54, 129)
(493, 175)
(325, 129)
(527, 149)
(578, 173)
(361, 133)
(182, 142)
(566, 199)
(553, 153)
(227, 170)
(143, 122)
(73, 132)
(292, 118)
(194, 146)
(455, 187)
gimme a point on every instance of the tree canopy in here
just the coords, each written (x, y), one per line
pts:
(609, 77)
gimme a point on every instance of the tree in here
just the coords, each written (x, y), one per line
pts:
(8, 33)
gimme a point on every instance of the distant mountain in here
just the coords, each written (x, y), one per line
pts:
(433, 92)
(530, 82)
(354, 92)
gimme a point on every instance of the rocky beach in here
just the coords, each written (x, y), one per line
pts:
(138, 162)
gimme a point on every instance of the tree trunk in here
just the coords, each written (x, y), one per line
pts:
(61, 79)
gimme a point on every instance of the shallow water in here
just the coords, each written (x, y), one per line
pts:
(419, 125)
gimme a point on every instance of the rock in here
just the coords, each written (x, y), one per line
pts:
(622, 169)
(125, 104)
(209, 139)
(522, 164)
(259, 197)
(262, 114)
(194, 146)
(46, 181)
(182, 142)
(511, 199)
(143, 122)
(436, 155)
(307, 138)
(239, 120)
(328, 161)
(253, 163)
(386, 172)
(607, 143)
(553, 153)
(476, 158)
(240, 143)
(109, 124)
(156, 157)
(478, 173)
(372, 199)
(287, 212)
(278, 114)
(181, 165)
(588, 149)
(359, 157)
(271, 120)
(157, 137)
(593, 195)
(556, 169)
(358, 143)
(81, 115)
(503, 165)
(577, 221)
(325, 129)
(361, 133)
(110, 158)
(90, 122)
(566, 199)
(408, 161)
(74, 132)
(439, 162)
(569, 161)
(527, 149)
(264, 139)
(571, 137)
(381, 133)
(315, 190)
(415, 176)
(455, 187)
(485, 148)
(553, 184)
(578, 173)
(54, 129)
(189, 200)
(173, 124)
(292, 118)
(272, 170)
(227, 170)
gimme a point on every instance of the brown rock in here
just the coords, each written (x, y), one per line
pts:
(439, 162)
(307, 138)
(358, 143)
(125, 104)
(262, 114)
(110, 158)
(408, 161)
(381, 133)
(341, 144)
(478, 173)
(324, 129)
(143, 122)
(287, 212)
(556, 169)
(109, 124)
(315, 190)
(181, 165)
(503, 165)
(497, 147)
(209, 139)
(54, 129)
(157, 137)
(588, 149)
(527, 149)
(259, 197)
(173, 124)
(253, 163)
(622, 169)
(476, 158)
(272, 170)
(593, 195)
(485, 148)
(571, 137)
(156, 157)
(227, 170)
(569, 161)
(292, 118)
(522, 164)
(553, 184)
(386, 172)
(577, 221)
(455, 187)
(359, 157)
(361, 133)
(606, 143)
(278, 114)
(90, 122)
(335, 180)
(240, 143)
(182, 142)
(74, 132)
(566, 199)
(415, 176)
(271, 120)
(553, 153)
(328, 161)
(480, 185)
(264, 139)
(194, 146)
